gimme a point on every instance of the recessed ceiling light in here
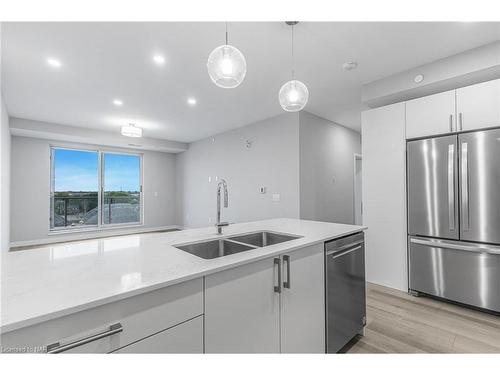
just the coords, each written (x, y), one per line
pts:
(191, 101)
(54, 62)
(350, 65)
(159, 59)
(117, 102)
(418, 78)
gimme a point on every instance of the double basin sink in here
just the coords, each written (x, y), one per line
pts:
(235, 244)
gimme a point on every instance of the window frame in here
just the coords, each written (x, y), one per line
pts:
(100, 189)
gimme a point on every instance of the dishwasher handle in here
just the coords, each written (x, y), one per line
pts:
(337, 254)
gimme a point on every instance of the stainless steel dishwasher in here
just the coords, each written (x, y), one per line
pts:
(345, 290)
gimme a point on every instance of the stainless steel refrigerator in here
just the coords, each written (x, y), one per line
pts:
(454, 217)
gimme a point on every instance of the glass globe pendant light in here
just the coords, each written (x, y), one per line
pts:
(294, 94)
(227, 66)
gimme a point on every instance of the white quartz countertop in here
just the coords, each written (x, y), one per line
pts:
(51, 281)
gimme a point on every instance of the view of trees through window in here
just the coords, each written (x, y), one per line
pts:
(76, 186)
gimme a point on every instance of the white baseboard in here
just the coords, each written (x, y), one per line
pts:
(63, 237)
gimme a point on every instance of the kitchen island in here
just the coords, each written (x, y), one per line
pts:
(141, 293)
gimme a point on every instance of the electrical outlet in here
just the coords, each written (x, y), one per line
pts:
(276, 197)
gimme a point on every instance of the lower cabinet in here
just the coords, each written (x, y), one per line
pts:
(113, 326)
(242, 309)
(303, 301)
(186, 337)
(269, 306)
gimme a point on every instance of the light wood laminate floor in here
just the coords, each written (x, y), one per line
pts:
(400, 323)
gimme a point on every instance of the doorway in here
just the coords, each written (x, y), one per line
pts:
(358, 202)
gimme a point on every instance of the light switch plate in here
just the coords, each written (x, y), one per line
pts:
(262, 190)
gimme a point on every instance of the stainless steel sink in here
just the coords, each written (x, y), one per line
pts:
(214, 248)
(262, 239)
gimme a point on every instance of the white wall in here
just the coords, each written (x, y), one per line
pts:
(384, 195)
(272, 161)
(30, 182)
(5, 145)
(327, 169)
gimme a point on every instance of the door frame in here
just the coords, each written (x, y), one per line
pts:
(356, 157)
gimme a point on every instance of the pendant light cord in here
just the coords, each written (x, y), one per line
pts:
(226, 34)
(293, 58)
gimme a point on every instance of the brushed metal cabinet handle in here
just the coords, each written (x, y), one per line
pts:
(465, 187)
(460, 121)
(451, 123)
(57, 348)
(277, 262)
(286, 259)
(451, 187)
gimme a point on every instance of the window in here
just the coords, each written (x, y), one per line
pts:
(94, 188)
(122, 189)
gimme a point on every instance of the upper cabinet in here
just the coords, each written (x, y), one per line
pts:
(467, 108)
(431, 115)
(478, 106)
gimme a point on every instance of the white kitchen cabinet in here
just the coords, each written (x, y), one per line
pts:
(186, 337)
(247, 310)
(478, 106)
(140, 316)
(242, 309)
(303, 301)
(384, 195)
(431, 115)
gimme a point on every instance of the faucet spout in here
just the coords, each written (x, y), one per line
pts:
(222, 185)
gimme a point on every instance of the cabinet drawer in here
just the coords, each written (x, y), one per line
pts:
(140, 316)
(186, 337)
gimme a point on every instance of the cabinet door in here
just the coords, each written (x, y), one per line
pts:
(303, 301)
(384, 195)
(242, 309)
(186, 337)
(431, 115)
(478, 106)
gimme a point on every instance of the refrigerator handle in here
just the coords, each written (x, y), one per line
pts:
(474, 248)
(451, 187)
(465, 187)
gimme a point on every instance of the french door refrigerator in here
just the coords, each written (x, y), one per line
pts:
(454, 217)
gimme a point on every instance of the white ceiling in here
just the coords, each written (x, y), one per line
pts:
(104, 61)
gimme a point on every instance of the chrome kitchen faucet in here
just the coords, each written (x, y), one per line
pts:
(221, 185)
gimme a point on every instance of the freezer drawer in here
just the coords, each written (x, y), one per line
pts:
(459, 271)
(345, 289)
